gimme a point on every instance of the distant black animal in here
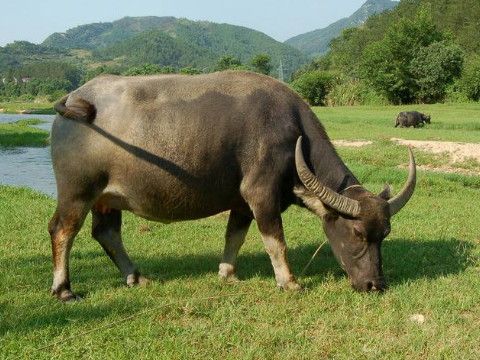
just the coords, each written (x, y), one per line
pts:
(411, 118)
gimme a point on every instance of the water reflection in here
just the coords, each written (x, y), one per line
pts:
(26, 166)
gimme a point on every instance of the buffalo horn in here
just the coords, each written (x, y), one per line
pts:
(398, 202)
(327, 196)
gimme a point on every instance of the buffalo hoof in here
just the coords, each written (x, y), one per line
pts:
(66, 296)
(291, 286)
(226, 273)
(137, 280)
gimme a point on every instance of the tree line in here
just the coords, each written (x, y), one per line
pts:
(53, 79)
(417, 53)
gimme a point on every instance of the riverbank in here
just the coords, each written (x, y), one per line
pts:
(23, 133)
(26, 108)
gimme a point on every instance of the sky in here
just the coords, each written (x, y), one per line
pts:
(34, 20)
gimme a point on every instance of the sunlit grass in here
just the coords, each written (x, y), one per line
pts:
(431, 261)
(15, 107)
(22, 133)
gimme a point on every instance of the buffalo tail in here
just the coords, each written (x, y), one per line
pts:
(78, 109)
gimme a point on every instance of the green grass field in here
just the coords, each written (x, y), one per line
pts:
(16, 107)
(431, 261)
(21, 133)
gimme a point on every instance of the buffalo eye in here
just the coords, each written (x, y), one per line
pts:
(358, 231)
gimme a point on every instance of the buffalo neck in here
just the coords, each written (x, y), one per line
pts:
(322, 157)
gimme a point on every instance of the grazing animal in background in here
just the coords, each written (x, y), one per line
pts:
(411, 118)
(175, 147)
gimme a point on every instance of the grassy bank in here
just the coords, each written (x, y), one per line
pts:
(26, 108)
(22, 133)
(431, 260)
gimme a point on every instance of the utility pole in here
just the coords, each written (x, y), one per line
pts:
(280, 71)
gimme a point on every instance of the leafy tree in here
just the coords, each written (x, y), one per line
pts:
(227, 62)
(262, 63)
(99, 70)
(190, 71)
(386, 64)
(434, 68)
(314, 86)
(149, 69)
(470, 80)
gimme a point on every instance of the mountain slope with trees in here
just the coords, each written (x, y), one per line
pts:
(317, 42)
(423, 51)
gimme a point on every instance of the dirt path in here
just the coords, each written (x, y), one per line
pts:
(455, 153)
(458, 152)
(350, 143)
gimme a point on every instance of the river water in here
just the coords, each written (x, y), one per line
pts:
(25, 166)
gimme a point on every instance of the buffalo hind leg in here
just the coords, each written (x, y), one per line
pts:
(269, 223)
(63, 227)
(237, 229)
(106, 229)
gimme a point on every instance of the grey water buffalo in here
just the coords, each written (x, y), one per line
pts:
(175, 147)
(411, 118)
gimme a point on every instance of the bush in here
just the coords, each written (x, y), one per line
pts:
(261, 63)
(470, 80)
(354, 92)
(434, 68)
(149, 69)
(314, 86)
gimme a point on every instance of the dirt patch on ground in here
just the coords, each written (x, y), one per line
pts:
(455, 153)
(458, 152)
(351, 143)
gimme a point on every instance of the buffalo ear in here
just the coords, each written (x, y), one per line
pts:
(311, 201)
(386, 193)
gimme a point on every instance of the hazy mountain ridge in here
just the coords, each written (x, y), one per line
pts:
(169, 41)
(317, 42)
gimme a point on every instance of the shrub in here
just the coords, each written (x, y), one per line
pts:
(470, 80)
(354, 92)
(434, 68)
(314, 86)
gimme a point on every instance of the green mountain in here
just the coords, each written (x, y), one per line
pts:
(168, 41)
(458, 18)
(98, 35)
(317, 42)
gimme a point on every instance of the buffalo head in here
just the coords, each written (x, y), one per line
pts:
(355, 221)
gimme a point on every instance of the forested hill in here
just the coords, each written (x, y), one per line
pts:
(317, 42)
(423, 51)
(98, 35)
(458, 18)
(198, 43)
(168, 41)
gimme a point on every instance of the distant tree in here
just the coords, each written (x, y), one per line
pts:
(102, 69)
(190, 71)
(470, 80)
(314, 86)
(262, 63)
(434, 68)
(149, 69)
(386, 64)
(227, 62)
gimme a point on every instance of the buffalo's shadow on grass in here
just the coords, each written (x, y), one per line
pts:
(404, 260)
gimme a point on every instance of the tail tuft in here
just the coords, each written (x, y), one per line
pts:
(78, 109)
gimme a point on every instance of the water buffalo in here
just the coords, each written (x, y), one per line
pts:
(411, 118)
(176, 147)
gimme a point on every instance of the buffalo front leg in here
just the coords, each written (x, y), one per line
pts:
(63, 227)
(106, 229)
(270, 226)
(237, 229)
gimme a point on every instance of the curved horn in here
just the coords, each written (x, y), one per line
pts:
(327, 196)
(398, 202)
